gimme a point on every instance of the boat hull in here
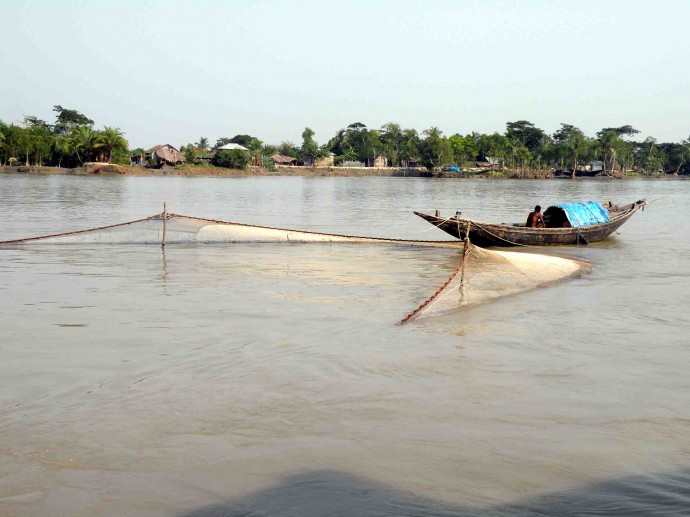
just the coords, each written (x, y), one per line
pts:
(504, 235)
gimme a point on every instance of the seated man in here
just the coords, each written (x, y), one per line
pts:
(535, 219)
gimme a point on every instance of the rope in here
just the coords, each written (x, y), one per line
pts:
(166, 216)
(434, 225)
(367, 239)
(431, 298)
(25, 239)
(496, 236)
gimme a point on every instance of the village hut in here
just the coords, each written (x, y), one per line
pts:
(380, 162)
(327, 161)
(165, 154)
(281, 159)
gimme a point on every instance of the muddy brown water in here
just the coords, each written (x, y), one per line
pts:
(255, 379)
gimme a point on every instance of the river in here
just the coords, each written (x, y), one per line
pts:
(251, 379)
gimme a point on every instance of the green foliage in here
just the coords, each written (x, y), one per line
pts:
(120, 156)
(189, 154)
(464, 148)
(494, 146)
(248, 141)
(31, 121)
(111, 139)
(574, 142)
(310, 150)
(435, 149)
(231, 159)
(67, 120)
(222, 141)
(524, 148)
(522, 156)
(357, 143)
(524, 134)
(268, 150)
(84, 142)
(288, 149)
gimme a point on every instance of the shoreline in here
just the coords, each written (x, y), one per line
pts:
(106, 169)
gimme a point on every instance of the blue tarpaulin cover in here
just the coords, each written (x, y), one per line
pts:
(585, 214)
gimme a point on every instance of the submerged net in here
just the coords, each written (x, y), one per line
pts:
(484, 275)
(481, 275)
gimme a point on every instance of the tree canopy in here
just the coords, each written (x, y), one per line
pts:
(72, 140)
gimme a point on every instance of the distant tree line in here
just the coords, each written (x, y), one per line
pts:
(521, 146)
(68, 142)
(71, 140)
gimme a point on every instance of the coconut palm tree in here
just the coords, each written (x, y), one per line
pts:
(202, 143)
(110, 139)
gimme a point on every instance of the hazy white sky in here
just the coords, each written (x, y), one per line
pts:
(173, 71)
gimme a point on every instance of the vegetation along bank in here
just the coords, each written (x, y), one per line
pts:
(72, 145)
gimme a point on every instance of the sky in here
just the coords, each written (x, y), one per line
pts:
(175, 71)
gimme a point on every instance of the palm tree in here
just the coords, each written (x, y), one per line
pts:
(337, 143)
(110, 139)
(268, 150)
(392, 137)
(84, 141)
(202, 143)
(433, 132)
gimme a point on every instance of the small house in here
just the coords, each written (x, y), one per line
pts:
(328, 161)
(380, 162)
(164, 154)
(233, 147)
(281, 159)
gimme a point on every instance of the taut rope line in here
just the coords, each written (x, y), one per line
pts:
(76, 232)
(431, 298)
(166, 216)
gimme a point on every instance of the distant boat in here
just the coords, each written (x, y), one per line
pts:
(570, 223)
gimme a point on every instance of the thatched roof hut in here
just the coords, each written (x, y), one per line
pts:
(165, 154)
(281, 159)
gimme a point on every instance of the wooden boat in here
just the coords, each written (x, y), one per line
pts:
(505, 235)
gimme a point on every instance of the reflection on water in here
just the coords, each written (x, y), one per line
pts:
(271, 380)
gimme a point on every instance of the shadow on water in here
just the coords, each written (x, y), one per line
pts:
(333, 493)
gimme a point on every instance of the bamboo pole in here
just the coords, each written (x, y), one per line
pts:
(165, 219)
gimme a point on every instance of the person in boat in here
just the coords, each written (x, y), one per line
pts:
(535, 219)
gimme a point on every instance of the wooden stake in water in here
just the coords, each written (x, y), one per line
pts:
(165, 219)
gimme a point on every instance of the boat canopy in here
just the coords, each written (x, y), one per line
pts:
(587, 213)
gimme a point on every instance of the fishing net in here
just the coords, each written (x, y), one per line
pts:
(481, 275)
(175, 229)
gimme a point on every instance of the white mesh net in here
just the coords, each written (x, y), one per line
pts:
(485, 275)
(481, 276)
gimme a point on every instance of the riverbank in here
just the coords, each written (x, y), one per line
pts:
(107, 169)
